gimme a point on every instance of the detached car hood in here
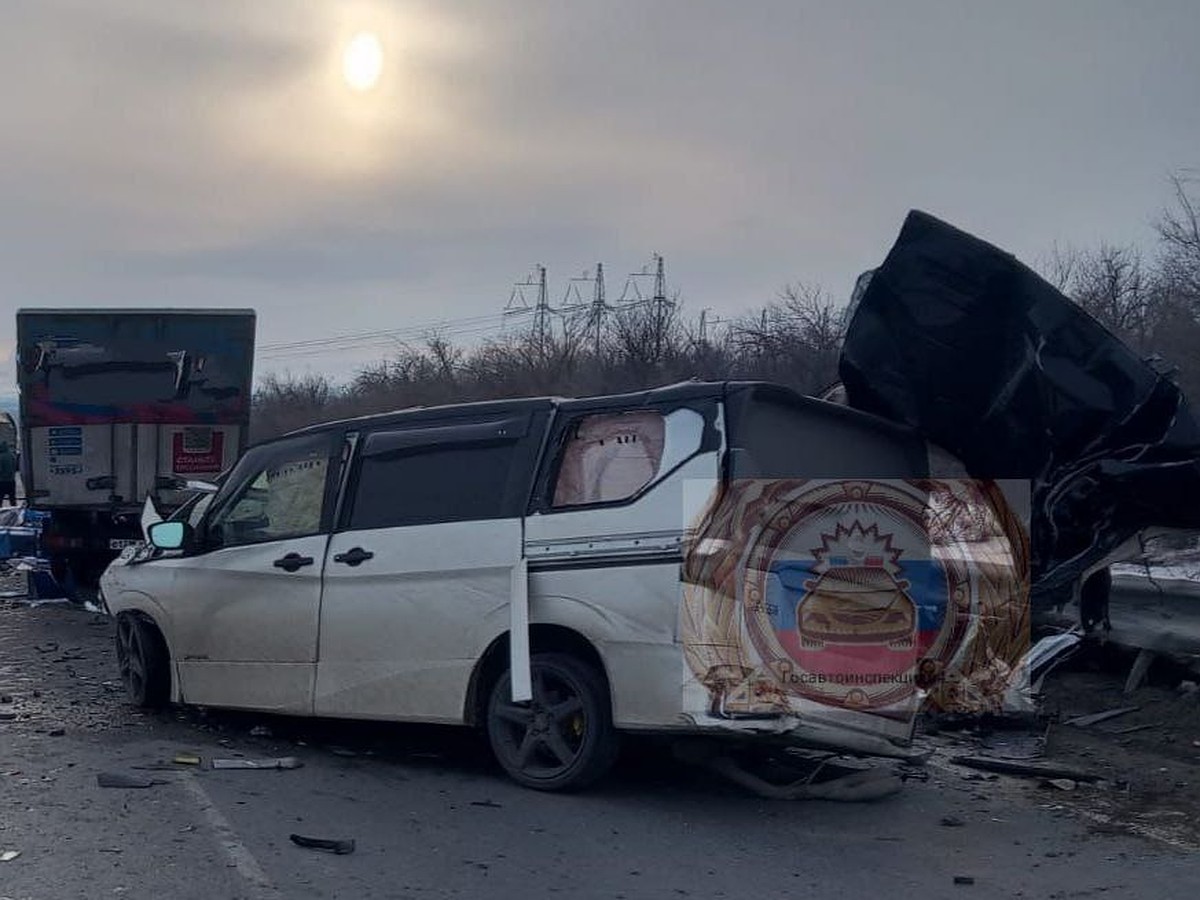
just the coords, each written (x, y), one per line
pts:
(959, 340)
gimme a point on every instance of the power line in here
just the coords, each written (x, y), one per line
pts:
(473, 325)
(395, 332)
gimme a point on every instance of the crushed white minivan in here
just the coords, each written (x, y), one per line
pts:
(729, 558)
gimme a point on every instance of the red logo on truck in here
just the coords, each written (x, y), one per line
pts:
(197, 451)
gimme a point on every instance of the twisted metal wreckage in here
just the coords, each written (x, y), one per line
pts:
(922, 596)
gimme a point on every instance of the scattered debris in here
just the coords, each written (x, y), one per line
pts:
(187, 759)
(7, 715)
(963, 879)
(1130, 729)
(57, 732)
(260, 731)
(341, 848)
(125, 780)
(5, 698)
(856, 786)
(951, 822)
(1063, 784)
(490, 804)
(48, 647)
(846, 784)
(282, 762)
(1141, 666)
(1095, 718)
(1013, 767)
(1044, 656)
(9, 855)
(342, 751)
(1016, 746)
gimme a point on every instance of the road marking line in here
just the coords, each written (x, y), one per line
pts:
(237, 852)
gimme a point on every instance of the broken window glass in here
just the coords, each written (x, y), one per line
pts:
(283, 496)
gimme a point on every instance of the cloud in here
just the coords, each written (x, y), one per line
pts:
(162, 153)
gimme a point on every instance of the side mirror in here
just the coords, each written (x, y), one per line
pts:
(170, 535)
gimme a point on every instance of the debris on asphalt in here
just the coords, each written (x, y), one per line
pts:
(187, 759)
(340, 847)
(909, 772)
(1028, 745)
(963, 879)
(854, 787)
(1045, 655)
(9, 855)
(490, 804)
(1096, 718)
(1139, 670)
(7, 715)
(282, 762)
(951, 822)
(56, 732)
(1130, 729)
(125, 780)
(1031, 770)
(1063, 784)
(260, 731)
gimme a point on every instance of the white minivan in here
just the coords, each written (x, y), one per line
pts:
(730, 558)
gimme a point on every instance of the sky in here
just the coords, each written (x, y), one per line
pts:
(170, 153)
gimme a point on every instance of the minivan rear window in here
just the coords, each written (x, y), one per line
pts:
(610, 458)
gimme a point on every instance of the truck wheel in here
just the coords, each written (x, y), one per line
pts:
(143, 661)
(564, 739)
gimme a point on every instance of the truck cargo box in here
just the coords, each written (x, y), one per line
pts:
(119, 404)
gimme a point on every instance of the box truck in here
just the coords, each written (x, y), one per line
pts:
(117, 405)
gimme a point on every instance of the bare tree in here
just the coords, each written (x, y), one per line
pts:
(283, 403)
(1110, 283)
(1179, 236)
(1059, 266)
(795, 340)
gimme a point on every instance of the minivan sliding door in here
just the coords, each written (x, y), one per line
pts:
(418, 577)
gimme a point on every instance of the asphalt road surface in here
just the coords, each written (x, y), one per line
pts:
(431, 817)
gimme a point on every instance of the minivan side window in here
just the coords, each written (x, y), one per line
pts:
(611, 457)
(430, 483)
(277, 492)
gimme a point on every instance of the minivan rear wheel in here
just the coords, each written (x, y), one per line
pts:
(564, 738)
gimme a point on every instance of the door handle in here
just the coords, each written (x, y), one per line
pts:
(354, 556)
(292, 562)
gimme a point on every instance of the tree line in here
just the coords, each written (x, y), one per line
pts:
(1150, 302)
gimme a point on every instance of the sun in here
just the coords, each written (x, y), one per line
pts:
(362, 61)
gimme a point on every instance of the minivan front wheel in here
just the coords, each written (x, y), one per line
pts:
(564, 738)
(143, 662)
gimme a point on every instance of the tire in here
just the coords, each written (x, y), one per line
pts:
(144, 662)
(564, 739)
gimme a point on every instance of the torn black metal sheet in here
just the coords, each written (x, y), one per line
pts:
(956, 338)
